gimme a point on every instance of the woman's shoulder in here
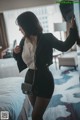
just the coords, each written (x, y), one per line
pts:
(47, 36)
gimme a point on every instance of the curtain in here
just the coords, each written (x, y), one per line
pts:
(3, 34)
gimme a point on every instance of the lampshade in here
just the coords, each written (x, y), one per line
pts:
(60, 27)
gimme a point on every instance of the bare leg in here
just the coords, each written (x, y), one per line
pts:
(39, 108)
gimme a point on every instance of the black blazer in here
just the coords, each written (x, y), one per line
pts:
(44, 50)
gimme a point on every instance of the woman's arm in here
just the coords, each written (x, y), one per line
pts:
(17, 52)
(68, 43)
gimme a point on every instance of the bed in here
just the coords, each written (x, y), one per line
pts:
(12, 100)
(8, 68)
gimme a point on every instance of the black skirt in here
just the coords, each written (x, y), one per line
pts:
(43, 82)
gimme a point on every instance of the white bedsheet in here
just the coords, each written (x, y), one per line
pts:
(11, 96)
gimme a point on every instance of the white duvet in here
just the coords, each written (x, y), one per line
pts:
(11, 96)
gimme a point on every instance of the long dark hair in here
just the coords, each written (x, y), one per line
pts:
(29, 23)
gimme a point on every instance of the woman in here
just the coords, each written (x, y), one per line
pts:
(35, 53)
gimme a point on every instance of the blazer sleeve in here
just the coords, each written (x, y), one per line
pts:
(21, 45)
(20, 63)
(63, 45)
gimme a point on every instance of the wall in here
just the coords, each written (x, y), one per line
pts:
(77, 14)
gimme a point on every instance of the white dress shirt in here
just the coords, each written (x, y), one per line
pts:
(29, 53)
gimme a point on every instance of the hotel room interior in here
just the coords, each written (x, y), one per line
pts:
(65, 101)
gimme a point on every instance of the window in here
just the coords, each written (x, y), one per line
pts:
(46, 14)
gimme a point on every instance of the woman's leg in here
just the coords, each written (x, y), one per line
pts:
(39, 108)
(32, 99)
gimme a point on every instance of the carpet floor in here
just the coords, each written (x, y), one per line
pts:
(65, 102)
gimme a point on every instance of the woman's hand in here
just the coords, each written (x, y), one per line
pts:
(17, 49)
